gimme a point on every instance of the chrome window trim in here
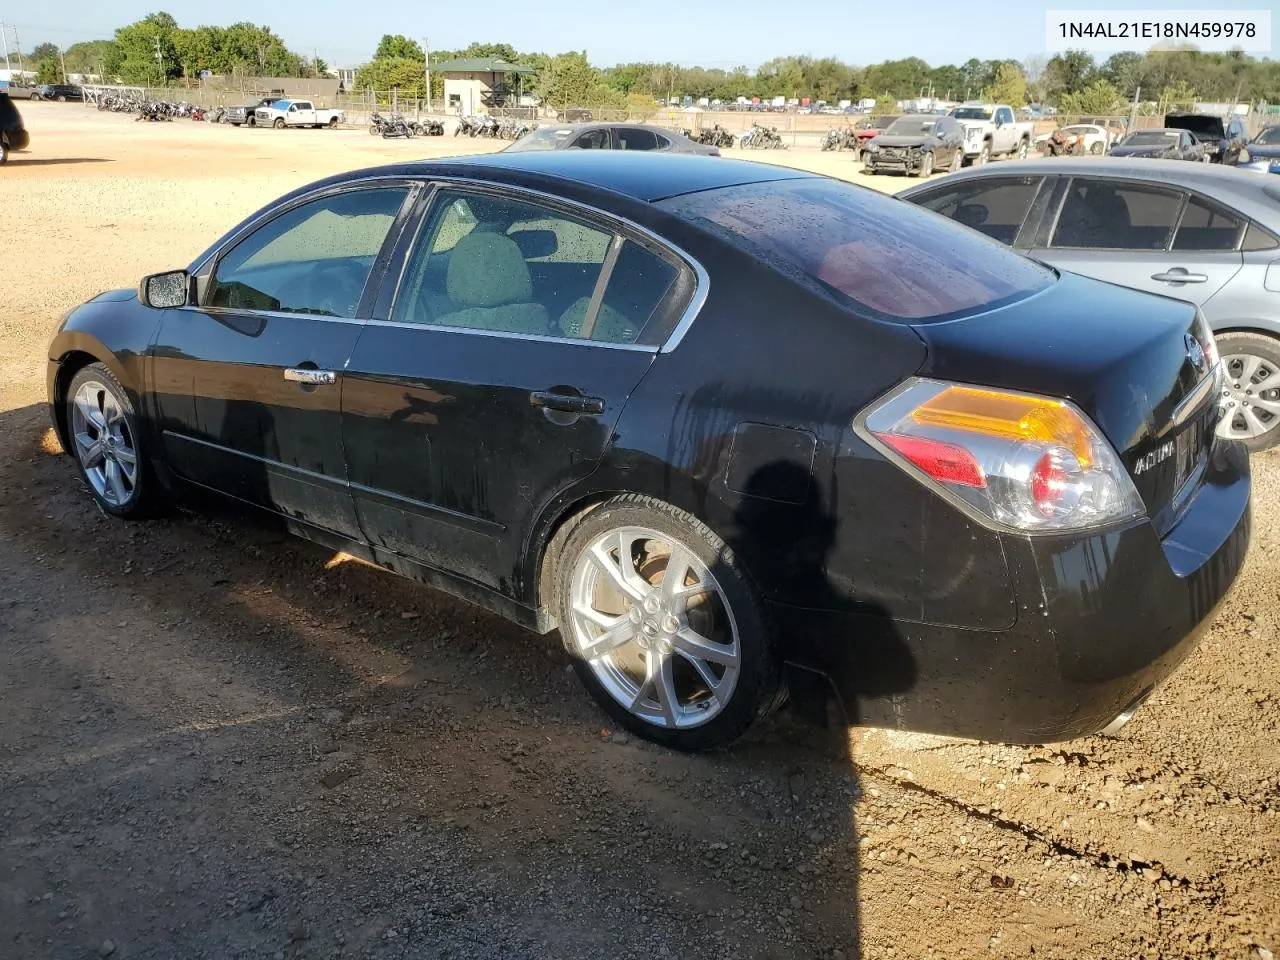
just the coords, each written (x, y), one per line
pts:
(281, 314)
(702, 280)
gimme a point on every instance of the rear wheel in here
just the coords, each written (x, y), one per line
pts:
(106, 441)
(60, 98)
(333, 123)
(663, 626)
(1251, 392)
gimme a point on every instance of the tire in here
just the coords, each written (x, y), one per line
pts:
(1021, 149)
(333, 123)
(926, 167)
(983, 156)
(278, 123)
(1096, 149)
(957, 161)
(1251, 362)
(35, 97)
(60, 98)
(93, 393)
(727, 616)
(252, 121)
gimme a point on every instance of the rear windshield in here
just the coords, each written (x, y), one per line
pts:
(887, 259)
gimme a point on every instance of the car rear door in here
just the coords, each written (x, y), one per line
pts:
(306, 113)
(247, 383)
(1004, 208)
(494, 372)
(1148, 236)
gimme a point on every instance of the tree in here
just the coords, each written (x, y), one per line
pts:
(47, 72)
(1009, 86)
(1099, 98)
(571, 81)
(93, 56)
(138, 45)
(1034, 68)
(399, 73)
(1125, 70)
(1178, 96)
(46, 51)
(1070, 72)
(398, 47)
(886, 105)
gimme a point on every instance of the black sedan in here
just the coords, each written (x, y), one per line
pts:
(61, 92)
(707, 419)
(608, 136)
(1263, 152)
(1159, 144)
(917, 144)
(13, 135)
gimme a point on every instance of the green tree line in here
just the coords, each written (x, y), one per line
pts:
(155, 50)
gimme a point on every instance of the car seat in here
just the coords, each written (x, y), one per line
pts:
(488, 280)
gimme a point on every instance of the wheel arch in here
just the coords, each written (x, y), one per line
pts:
(70, 363)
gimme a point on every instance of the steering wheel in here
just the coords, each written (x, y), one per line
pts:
(333, 287)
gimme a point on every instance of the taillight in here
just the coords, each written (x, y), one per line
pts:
(1204, 334)
(1027, 462)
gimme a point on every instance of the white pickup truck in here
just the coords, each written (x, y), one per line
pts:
(297, 113)
(991, 131)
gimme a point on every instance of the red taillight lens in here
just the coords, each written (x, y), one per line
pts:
(942, 461)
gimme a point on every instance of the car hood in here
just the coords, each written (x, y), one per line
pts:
(115, 296)
(901, 140)
(1142, 151)
(1203, 127)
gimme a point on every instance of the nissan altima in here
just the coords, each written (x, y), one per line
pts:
(720, 423)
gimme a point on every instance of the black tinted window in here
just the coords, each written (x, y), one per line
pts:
(640, 282)
(1258, 238)
(890, 260)
(1111, 215)
(996, 207)
(1207, 226)
(314, 259)
(631, 138)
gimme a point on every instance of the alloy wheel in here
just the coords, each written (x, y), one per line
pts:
(104, 443)
(654, 626)
(1250, 400)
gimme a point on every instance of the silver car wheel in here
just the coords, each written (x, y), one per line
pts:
(104, 443)
(655, 627)
(1250, 401)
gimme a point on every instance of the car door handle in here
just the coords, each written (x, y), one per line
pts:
(566, 402)
(298, 375)
(1178, 275)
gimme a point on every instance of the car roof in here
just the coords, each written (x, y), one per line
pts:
(1247, 189)
(641, 175)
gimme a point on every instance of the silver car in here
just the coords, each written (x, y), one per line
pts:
(1206, 234)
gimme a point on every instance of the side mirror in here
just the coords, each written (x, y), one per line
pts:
(165, 290)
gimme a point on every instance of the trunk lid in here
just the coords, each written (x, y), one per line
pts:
(1133, 362)
(1198, 125)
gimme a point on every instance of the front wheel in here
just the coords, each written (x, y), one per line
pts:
(983, 156)
(1250, 404)
(664, 628)
(926, 167)
(1022, 150)
(279, 123)
(106, 441)
(61, 99)
(957, 161)
(1096, 149)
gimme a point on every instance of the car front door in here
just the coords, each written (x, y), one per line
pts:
(247, 382)
(1143, 235)
(306, 113)
(1006, 135)
(599, 138)
(517, 331)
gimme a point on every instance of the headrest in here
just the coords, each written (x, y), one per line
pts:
(487, 270)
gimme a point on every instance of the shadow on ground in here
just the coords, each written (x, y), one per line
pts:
(219, 739)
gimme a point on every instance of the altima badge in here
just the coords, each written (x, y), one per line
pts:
(1159, 455)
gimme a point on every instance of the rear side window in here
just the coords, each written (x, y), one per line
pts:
(1106, 214)
(1207, 226)
(1258, 238)
(889, 260)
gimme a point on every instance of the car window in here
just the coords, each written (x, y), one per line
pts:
(994, 206)
(1004, 115)
(1112, 215)
(593, 140)
(1258, 238)
(314, 259)
(885, 259)
(634, 138)
(663, 142)
(1207, 226)
(502, 265)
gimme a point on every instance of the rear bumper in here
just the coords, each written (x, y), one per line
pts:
(1101, 620)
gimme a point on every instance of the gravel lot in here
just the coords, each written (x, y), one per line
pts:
(218, 743)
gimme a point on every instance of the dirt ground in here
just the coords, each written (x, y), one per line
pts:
(217, 742)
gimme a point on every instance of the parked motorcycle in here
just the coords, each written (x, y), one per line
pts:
(840, 140)
(762, 138)
(716, 136)
(396, 126)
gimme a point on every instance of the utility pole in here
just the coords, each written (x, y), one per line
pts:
(63, 58)
(5, 41)
(17, 45)
(426, 63)
(160, 59)
(1133, 111)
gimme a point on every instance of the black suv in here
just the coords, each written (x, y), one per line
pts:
(1222, 139)
(62, 92)
(13, 136)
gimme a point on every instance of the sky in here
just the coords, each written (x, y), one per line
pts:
(709, 33)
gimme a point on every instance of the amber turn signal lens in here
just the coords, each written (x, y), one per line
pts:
(1009, 416)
